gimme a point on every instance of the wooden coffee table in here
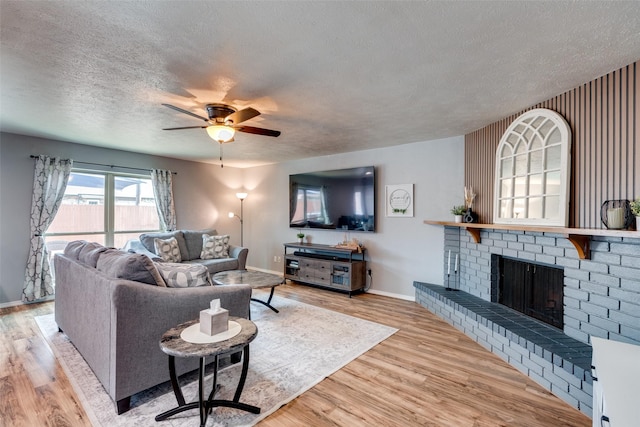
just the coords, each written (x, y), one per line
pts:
(255, 279)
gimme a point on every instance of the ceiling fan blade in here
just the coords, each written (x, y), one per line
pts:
(173, 107)
(257, 131)
(187, 127)
(242, 115)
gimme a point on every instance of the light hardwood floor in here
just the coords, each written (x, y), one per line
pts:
(427, 374)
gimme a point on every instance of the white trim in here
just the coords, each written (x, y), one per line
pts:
(565, 166)
(18, 303)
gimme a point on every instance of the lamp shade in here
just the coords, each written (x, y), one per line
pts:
(221, 133)
(241, 196)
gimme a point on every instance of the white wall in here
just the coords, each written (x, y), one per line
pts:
(204, 194)
(402, 249)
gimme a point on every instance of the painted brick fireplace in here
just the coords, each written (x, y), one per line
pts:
(601, 298)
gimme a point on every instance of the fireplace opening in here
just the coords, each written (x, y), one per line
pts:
(532, 289)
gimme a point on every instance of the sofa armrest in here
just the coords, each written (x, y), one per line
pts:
(240, 253)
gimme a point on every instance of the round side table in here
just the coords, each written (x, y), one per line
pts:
(172, 344)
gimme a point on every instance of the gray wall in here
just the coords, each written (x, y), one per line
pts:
(401, 251)
(204, 194)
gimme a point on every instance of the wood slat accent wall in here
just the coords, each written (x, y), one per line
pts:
(604, 115)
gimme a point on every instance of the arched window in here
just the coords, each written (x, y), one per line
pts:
(532, 171)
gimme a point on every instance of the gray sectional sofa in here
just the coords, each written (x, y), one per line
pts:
(109, 305)
(190, 244)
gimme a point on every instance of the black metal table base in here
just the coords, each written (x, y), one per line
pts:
(205, 405)
(268, 301)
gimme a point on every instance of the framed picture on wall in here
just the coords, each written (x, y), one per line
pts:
(399, 200)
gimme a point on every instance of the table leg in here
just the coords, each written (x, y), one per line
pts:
(268, 301)
(182, 405)
(235, 403)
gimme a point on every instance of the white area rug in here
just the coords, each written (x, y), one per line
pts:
(294, 350)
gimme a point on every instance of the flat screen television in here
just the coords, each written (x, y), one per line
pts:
(342, 199)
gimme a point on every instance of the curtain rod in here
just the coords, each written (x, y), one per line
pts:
(109, 166)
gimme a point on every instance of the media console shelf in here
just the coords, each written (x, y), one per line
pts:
(326, 266)
(580, 238)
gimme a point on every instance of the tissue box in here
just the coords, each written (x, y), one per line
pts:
(212, 323)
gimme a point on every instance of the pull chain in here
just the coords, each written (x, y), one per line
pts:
(221, 165)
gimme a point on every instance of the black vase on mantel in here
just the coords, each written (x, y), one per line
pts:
(470, 216)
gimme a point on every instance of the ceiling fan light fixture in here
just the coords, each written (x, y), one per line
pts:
(221, 133)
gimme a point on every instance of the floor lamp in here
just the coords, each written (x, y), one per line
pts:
(240, 196)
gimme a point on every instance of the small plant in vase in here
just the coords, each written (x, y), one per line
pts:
(457, 212)
(635, 210)
(300, 237)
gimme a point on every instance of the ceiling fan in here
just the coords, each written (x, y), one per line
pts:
(223, 122)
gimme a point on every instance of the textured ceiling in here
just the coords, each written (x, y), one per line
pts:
(332, 76)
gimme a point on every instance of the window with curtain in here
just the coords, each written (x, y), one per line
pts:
(532, 171)
(108, 208)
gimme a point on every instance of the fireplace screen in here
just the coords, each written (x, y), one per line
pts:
(533, 289)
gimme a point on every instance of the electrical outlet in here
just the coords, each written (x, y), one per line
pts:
(279, 258)
(275, 258)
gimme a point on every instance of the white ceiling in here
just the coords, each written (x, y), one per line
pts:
(332, 76)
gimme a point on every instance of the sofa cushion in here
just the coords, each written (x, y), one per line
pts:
(123, 265)
(147, 240)
(90, 253)
(167, 249)
(193, 240)
(72, 250)
(183, 275)
(215, 247)
(216, 265)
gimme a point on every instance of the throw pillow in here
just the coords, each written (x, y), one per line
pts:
(214, 247)
(167, 249)
(123, 265)
(183, 275)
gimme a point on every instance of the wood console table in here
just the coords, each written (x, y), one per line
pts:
(331, 267)
(580, 238)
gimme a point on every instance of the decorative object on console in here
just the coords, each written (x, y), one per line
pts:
(300, 237)
(458, 212)
(399, 200)
(635, 210)
(240, 196)
(616, 214)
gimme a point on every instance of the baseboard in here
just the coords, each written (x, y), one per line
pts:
(411, 298)
(277, 273)
(392, 295)
(17, 303)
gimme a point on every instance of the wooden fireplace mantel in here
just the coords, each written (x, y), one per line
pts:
(580, 238)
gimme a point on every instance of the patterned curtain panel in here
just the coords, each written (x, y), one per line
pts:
(49, 183)
(163, 192)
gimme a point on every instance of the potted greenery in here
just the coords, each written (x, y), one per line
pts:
(300, 237)
(457, 212)
(635, 210)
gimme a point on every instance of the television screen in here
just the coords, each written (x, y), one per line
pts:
(341, 199)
